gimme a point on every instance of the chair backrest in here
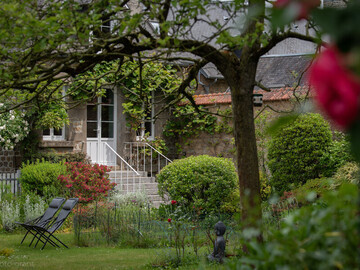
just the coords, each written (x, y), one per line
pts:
(63, 214)
(54, 206)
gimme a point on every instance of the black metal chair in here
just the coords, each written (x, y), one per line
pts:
(44, 220)
(46, 234)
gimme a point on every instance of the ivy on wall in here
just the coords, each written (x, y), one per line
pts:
(145, 84)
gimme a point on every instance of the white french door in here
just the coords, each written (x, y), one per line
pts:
(101, 129)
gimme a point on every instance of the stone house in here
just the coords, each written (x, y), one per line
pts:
(277, 72)
(99, 129)
(94, 128)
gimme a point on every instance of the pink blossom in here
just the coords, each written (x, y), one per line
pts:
(337, 89)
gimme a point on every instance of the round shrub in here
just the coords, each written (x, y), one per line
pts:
(338, 154)
(55, 157)
(42, 178)
(202, 182)
(296, 151)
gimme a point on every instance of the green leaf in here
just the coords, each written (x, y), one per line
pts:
(275, 127)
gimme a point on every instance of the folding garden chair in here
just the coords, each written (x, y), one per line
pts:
(46, 235)
(43, 220)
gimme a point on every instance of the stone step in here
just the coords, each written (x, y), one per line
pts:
(123, 174)
(143, 185)
(128, 181)
(156, 200)
(132, 180)
(124, 189)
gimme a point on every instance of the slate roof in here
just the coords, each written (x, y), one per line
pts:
(272, 71)
(278, 94)
(282, 71)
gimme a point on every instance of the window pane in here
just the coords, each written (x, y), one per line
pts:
(106, 27)
(148, 129)
(92, 112)
(107, 130)
(107, 113)
(108, 98)
(46, 132)
(91, 130)
(57, 132)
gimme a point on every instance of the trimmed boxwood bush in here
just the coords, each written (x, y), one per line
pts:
(338, 154)
(296, 151)
(201, 182)
(42, 178)
(55, 157)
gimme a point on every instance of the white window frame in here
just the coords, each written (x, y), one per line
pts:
(52, 136)
(111, 28)
(142, 135)
(155, 26)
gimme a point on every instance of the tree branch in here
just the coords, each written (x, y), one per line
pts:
(275, 39)
(263, 87)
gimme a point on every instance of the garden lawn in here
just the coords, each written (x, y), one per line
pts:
(26, 257)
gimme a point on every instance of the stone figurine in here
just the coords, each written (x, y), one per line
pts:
(219, 246)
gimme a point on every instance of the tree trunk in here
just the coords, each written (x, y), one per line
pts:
(241, 78)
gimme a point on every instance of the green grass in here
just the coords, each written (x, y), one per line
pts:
(26, 257)
(105, 257)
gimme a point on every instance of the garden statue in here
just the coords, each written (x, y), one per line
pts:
(219, 246)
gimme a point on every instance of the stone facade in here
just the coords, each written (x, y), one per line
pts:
(9, 160)
(223, 144)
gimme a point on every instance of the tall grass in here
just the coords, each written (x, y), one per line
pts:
(119, 221)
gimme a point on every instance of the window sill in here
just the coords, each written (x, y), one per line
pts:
(57, 144)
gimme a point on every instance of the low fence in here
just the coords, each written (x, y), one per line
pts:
(9, 182)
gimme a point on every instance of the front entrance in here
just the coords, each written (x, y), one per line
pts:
(101, 127)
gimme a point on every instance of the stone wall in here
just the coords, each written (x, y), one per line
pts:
(9, 160)
(223, 144)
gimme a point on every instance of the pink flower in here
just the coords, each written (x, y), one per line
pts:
(173, 202)
(337, 89)
(301, 8)
(169, 220)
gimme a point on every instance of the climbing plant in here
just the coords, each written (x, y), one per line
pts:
(143, 83)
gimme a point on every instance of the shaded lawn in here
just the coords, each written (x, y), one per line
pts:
(26, 257)
(105, 257)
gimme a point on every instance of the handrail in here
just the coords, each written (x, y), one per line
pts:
(127, 164)
(158, 152)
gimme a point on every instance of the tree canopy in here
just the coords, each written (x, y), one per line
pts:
(47, 43)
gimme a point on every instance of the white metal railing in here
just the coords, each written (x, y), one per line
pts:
(127, 179)
(145, 157)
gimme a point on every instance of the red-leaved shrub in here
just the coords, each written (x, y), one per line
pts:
(86, 181)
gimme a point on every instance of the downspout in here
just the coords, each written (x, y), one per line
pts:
(206, 87)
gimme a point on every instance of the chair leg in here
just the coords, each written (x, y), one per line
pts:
(46, 239)
(38, 235)
(40, 240)
(60, 241)
(53, 243)
(35, 236)
(24, 237)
